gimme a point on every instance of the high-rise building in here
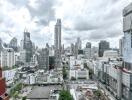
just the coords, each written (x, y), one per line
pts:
(72, 49)
(103, 45)
(7, 57)
(13, 44)
(57, 43)
(79, 43)
(87, 50)
(124, 76)
(43, 59)
(27, 46)
(76, 50)
(127, 28)
(3, 94)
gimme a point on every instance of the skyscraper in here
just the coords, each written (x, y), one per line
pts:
(103, 45)
(27, 45)
(13, 44)
(76, 50)
(57, 43)
(72, 49)
(43, 59)
(7, 57)
(127, 45)
(87, 50)
(79, 43)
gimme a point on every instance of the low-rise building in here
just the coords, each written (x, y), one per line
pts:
(78, 74)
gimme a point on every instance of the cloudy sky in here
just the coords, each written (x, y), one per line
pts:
(91, 20)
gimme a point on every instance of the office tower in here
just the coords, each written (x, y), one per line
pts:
(87, 50)
(103, 45)
(47, 45)
(125, 70)
(72, 49)
(127, 28)
(13, 44)
(3, 94)
(27, 45)
(7, 57)
(43, 59)
(76, 50)
(57, 43)
(79, 43)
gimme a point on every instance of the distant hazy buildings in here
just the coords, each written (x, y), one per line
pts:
(87, 50)
(13, 44)
(57, 43)
(76, 50)
(79, 43)
(72, 49)
(26, 48)
(103, 45)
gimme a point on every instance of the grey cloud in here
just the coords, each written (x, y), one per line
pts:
(101, 22)
(84, 26)
(44, 11)
(19, 3)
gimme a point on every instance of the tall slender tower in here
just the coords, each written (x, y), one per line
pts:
(57, 43)
(79, 43)
(27, 45)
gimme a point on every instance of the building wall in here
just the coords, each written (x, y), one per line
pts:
(57, 43)
(7, 57)
(87, 53)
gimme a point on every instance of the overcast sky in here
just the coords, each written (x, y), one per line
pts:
(91, 20)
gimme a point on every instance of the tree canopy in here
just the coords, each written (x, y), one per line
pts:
(65, 95)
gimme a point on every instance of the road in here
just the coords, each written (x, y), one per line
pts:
(106, 91)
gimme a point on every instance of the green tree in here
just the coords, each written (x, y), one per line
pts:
(85, 65)
(73, 78)
(24, 98)
(98, 93)
(15, 95)
(64, 73)
(65, 95)
(91, 73)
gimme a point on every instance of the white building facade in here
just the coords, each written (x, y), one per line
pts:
(7, 57)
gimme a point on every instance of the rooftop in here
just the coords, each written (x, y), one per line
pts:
(42, 93)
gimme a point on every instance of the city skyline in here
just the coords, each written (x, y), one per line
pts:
(16, 15)
(61, 56)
